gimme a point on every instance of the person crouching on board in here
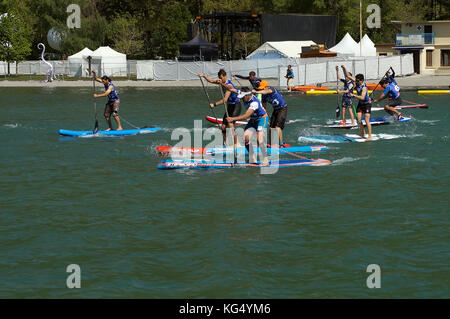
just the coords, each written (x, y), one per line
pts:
(229, 98)
(392, 91)
(280, 109)
(391, 77)
(364, 103)
(112, 106)
(258, 121)
(347, 102)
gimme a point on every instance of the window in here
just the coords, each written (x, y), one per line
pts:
(445, 57)
(429, 57)
(383, 54)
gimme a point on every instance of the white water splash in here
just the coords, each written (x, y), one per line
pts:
(295, 121)
(344, 160)
(431, 122)
(415, 159)
(11, 125)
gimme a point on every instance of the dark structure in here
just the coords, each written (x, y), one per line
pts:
(298, 27)
(228, 23)
(288, 27)
(198, 50)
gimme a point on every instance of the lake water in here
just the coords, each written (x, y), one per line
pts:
(140, 232)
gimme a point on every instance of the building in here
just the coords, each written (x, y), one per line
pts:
(429, 42)
(386, 49)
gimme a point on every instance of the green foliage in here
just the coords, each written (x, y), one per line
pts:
(154, 28)
(127, 35)
(169, 29)
(15, 37)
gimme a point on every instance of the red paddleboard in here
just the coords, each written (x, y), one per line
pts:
(219, 121)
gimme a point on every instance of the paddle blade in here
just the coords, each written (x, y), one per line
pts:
(96, 126)
(338, 111)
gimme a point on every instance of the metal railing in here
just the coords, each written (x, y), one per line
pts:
(406, 39)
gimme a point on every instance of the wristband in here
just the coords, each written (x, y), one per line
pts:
(215, 104)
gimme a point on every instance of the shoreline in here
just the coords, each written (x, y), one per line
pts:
(407, 83)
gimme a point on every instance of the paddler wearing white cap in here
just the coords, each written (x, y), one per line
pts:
(257, 121)
(279, 114)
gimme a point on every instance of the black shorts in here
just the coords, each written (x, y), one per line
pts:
(347, 103)
(233, 110)
(278, 118)
(365, 108)
(395, 102)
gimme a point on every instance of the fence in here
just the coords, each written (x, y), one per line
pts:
(64, 69)
(306, 71)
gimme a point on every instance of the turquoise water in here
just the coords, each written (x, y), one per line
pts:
(139, 232)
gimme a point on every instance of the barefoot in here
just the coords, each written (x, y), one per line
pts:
(119, 128)
(369, 138)
(108, 129)
(265, 162)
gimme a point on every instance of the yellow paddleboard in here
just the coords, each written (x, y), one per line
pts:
(433, 92)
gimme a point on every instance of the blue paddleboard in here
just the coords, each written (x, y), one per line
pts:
(108, 133)
(208, 164)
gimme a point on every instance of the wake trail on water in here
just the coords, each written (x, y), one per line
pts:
(345, 160)
(11, 125)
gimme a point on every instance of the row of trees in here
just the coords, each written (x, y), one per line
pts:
(149, 29)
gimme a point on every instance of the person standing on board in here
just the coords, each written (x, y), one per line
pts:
(392, 91)
(254, 81)
(112, 106)
(279, 114)
(347, 102)
(258, 121)
(231, 100)
(289, 76)
(364, 103)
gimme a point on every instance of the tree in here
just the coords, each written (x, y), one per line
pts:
(127, 35)
(15, 43)
(168, 29)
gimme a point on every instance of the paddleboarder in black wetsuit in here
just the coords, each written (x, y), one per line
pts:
(112, 106)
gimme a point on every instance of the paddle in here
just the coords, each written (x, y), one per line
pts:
(209, 101)
(226, 111)
(390, 68)
(236, 78)
(95, 108)
(338, 108)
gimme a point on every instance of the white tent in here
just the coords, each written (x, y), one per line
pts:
(367, 47)
(280, 49)
(112, 63)
(78, 64)
(347, 46)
